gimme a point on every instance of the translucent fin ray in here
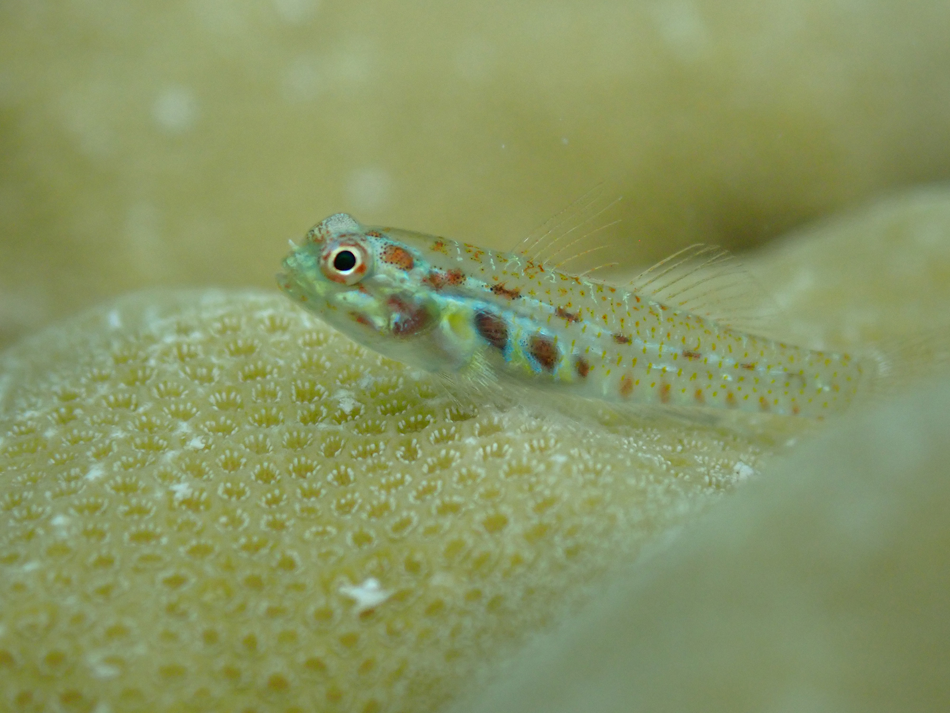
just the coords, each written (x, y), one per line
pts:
(902, 362)
(708, 281)
(566, 228)
(529, 245)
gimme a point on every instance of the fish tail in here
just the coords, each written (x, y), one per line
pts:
(901, 363)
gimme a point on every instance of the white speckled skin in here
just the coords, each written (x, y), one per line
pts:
(447, 306)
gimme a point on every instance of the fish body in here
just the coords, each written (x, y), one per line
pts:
(454, 308)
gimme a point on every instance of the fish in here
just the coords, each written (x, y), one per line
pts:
(680, 335)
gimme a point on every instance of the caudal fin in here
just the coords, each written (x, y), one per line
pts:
(902, 363)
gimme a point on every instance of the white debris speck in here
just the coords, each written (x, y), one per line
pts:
(101, 669)
(114, 319)
(347, 403)
(742, 471)
(59, 521)
(442, 579)
(95, 472)
(30, 566)
(367, 595)
(181, 490)
(197, 443)
(175, 110)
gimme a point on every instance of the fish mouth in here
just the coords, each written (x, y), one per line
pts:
(289, 283)
(300, 276)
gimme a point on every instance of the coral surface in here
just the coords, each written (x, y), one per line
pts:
(210, 501)
(822, 587)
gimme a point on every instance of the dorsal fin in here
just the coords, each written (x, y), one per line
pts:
(709, 281)
(552, 240)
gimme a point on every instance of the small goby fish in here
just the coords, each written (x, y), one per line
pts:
(449, 307)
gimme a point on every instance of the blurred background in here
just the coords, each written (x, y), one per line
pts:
(182, 142)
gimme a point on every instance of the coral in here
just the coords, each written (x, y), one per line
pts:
(822, 587)
(210, 501)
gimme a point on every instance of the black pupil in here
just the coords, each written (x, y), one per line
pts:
(344, 261)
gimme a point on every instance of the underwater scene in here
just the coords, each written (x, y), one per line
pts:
(474, 357)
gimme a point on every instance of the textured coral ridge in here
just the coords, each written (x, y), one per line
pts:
(820, 587)
(210, 501)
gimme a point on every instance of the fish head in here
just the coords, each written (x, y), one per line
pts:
(365, 284)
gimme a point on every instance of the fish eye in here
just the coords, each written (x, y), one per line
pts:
(345, 263)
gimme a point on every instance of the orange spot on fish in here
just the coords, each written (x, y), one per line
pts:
(626, 386)
(544, 350)
(361, 319)
(731, 400)
(501, 290)
(582, 367)
(664, 393)
(397, 257)
(408, 318)
(692, 355)
(699, 396)
(492, 329)
(439, 247)
(374, 233)
(622, 339)
(435, 279)
(569, 316)
(764, 403)
(750, 366)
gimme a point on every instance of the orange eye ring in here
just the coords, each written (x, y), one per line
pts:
(345, 262)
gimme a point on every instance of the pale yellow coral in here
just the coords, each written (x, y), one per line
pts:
(211, 501)
(820, 588)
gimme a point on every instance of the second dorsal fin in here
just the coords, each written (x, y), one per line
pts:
(708, 281)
